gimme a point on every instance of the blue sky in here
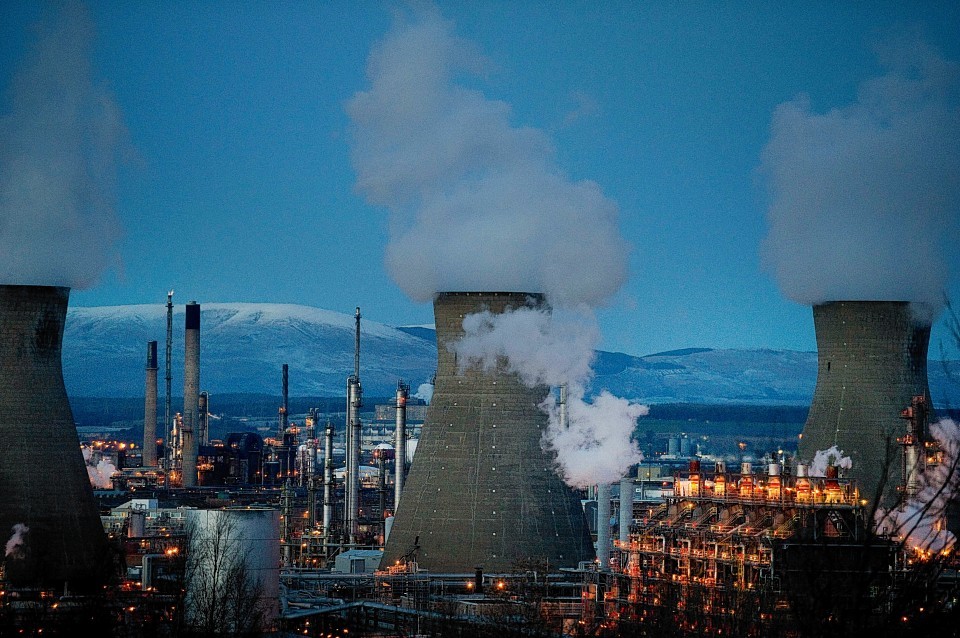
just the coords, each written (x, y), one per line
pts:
(237, 182)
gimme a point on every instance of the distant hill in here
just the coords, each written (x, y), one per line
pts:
(244, 345)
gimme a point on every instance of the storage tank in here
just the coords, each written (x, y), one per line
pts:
(871, 361)
(481, 491)
(52, 499)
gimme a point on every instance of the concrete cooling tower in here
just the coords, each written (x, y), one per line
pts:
(44, 489)
(481, 492)
(872, 359)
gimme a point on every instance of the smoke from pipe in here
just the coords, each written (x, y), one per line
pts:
(99, 472)
(554, 349)
(16, 547)
(60, 133)
(424, 392)
(830, 456)
(475, 202)
(865, 198)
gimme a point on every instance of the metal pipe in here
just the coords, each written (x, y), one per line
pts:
(191, 386)
(150, 408)
(400, 461)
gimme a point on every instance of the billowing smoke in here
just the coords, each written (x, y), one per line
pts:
(424, 392)
(830, 456)
(556, 349)
(921, 520)
(865, 198)
(60, 131)
(17, 545)
(476, 203)
(99, 470)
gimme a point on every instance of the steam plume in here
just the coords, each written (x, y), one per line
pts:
(864, 197)
(16, 547)
(100, 471)
(543, 348)
(830, 456)
(921, 520)
(476, 203)
(59, 136)
(425, 392)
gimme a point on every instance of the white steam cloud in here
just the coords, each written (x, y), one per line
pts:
(100, 470)
(830, 456)
(543, 348)
(476, 203)
(60, 132)
(16, 547)
(424, 392)
(865, 198)
(921, 521)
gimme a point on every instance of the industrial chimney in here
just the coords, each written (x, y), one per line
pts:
(191, 388)
(64, 544)
(481, 491)
(872, 360)
(150, 408)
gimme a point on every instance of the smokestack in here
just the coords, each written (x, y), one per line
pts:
(191, 387)
(872, 360)
(603, 526)
(626, 508)
(150, 408)
(481, 490)
(167, 408)
(354, 403)
(65, 543)
(400, 460)
(285, 381)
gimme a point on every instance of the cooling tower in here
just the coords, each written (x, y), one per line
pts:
(872, 359)
(150, 408)
(191, 388)
(481, 492)
(43, 481)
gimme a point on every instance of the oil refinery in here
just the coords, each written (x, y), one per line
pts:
(396, 517)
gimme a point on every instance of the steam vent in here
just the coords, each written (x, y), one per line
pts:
(43, 481)
(481, 492)
(872, 359)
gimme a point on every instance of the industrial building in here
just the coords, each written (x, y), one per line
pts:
(53, 522)
(481, 491)
(871, 362)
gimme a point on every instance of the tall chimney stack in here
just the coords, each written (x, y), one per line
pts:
(400, 459)
(64, 545)
(150, 408)
(871, 362)
(481, 491)
(191, 388)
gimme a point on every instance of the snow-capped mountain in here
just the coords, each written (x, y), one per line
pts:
(242, 348)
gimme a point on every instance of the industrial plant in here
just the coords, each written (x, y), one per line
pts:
(392, 517)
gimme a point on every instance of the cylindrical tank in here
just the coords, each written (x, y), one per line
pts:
(872, 360)
(65, 543)
(603, 526)
(150, 408)
(481, 490)
(684, 446)
(673, 446)
(232, 554)
(191, 388)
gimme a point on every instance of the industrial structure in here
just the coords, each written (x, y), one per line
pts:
(481, 491)
(191, 399)
(872, 361)
(52, 523)
(150, 407)
(743, 554)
